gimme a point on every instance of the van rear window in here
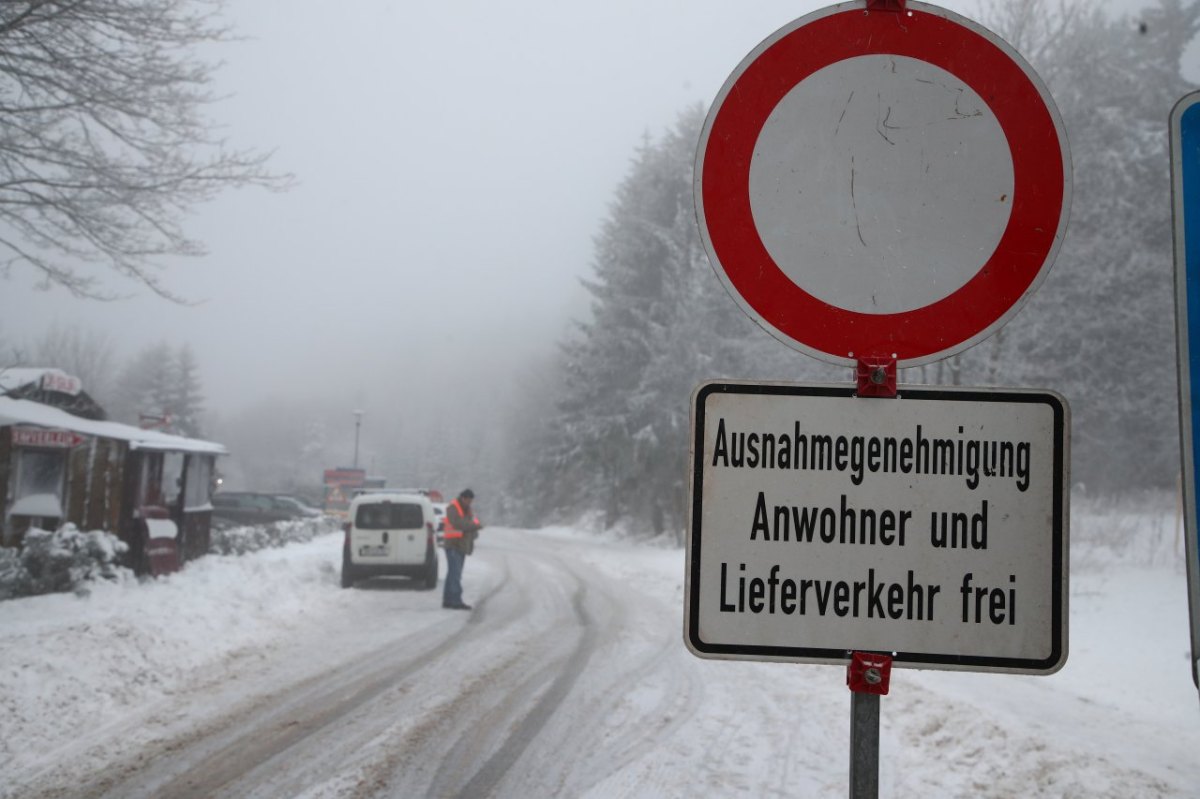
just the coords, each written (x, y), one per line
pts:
(389, 516)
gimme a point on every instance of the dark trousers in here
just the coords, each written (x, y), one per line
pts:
(452, 587)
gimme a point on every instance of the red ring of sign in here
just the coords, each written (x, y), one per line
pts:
(1025, 247)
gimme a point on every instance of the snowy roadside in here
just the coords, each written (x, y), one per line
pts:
(1121, 716)
(69, 663)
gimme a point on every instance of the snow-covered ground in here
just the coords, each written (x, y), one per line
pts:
(88, 682)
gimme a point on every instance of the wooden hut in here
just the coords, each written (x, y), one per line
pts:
(57, 467)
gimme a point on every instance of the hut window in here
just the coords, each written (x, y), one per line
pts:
(162, 479)
(41, 476)
(172, 477)
(150, 485)
(198, 493)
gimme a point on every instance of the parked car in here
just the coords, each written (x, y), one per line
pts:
(249, 507)
(390, 534)
(297, 505)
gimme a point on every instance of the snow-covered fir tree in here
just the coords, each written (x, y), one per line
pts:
(1099, 330)
(144, 386)
(161, 387)
(186, 402)
(660, 323)
(86, 354)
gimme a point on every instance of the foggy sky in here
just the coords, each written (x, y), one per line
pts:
(454, 161)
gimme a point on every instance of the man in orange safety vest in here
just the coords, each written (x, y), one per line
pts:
(461, 530)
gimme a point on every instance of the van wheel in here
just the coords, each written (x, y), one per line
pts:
(347, 570)
(430, 577)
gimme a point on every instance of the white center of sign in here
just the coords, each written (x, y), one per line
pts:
(881, 184)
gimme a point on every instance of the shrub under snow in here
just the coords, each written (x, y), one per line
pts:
(66, 559)
(10, 571)
(69, 559)
(251, 538)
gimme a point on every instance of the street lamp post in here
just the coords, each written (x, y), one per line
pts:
(358, 415)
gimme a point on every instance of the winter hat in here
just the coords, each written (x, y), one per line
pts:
(467, 494)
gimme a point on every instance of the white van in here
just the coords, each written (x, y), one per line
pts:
(390, 534)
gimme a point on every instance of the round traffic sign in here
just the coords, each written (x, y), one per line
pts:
(880, 183)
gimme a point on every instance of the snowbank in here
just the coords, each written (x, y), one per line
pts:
(1121, 716)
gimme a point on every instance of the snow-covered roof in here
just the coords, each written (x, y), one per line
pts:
(17, 376)
(15, 411)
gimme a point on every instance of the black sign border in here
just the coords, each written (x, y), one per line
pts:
(1058, 655)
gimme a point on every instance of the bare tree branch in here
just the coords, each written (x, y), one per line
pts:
(103, 144)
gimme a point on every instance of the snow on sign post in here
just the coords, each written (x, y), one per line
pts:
(1185, 189)
(876, 183)
(932, 527)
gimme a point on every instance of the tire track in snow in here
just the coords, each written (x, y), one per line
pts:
(528, 684)
(237, 744)
(636, 695)
(489, 775)
(535, 684)
(409, 764)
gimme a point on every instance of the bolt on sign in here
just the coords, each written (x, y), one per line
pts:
(932, 526)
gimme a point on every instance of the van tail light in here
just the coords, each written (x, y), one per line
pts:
(429, 532)
(346, 530)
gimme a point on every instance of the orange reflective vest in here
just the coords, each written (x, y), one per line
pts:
(450, 531)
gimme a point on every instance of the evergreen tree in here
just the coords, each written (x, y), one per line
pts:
(661, 323)
(144, 389)
(86, 355)
(185, 405)
(1100, 329)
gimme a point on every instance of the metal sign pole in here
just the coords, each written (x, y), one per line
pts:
(868, 676)
(864, 745)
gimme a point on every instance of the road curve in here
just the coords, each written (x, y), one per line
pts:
(528, 694)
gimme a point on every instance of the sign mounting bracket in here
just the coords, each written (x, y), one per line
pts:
(876, 376)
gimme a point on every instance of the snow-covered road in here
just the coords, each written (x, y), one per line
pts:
(424, 702)
(259, 676)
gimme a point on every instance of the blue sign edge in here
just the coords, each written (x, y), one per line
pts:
(1185, 214)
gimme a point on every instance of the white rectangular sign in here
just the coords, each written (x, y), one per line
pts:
(933, 526)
